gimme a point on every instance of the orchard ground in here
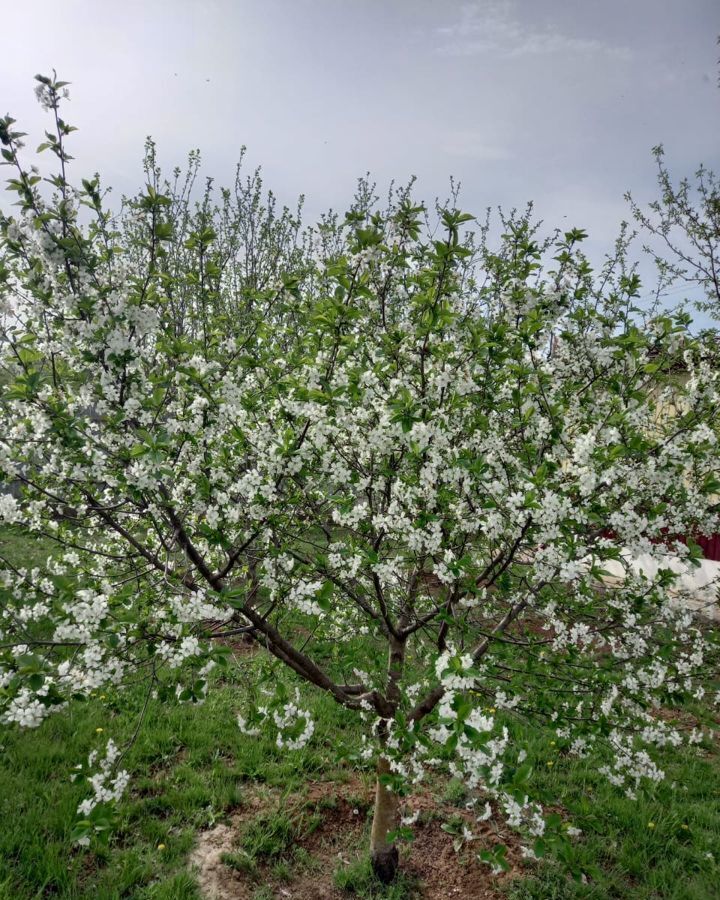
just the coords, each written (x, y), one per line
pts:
(212, 812)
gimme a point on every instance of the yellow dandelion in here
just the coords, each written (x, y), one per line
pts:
(651, 824)
(161, 846)
(99, 730)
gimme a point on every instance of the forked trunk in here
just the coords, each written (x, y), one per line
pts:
(383, 853)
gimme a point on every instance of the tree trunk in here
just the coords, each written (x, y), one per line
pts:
(383, 854)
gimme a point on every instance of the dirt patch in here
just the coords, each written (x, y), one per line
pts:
(332, 835)
(444, 872)
(214, 877)
(685, 722)
(681, 719)
(238, 641)
(218, 881)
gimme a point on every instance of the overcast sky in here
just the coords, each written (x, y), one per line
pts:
(557, 101)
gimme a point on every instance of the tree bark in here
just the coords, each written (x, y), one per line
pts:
(384, 854)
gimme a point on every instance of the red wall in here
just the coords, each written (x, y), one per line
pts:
(710, 546)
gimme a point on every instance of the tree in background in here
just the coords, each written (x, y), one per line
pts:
(683, 225)
(395, 457)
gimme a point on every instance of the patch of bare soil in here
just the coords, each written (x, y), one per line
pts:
(338, 838)
(685, 721)
(239, 642)
(677, 717)
(214, 877)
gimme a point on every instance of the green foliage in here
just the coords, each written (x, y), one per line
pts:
(198, 769)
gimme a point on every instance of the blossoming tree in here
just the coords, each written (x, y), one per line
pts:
(369, 434)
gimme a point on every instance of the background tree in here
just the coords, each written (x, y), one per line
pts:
(396, 457)
(683, 225)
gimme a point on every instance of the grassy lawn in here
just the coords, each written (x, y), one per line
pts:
(664, 844)
(192, 769)
(196, 767)
(21, 552)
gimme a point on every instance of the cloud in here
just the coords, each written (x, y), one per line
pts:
(493, 26)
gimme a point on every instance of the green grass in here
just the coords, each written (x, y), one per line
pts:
(197, 767)
(21, 552)
(270, 840)
(267, 838)
(358, 880)
(656, 846)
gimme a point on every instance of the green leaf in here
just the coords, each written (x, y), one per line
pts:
(324, 596)
(522, 775)
(36, 681)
